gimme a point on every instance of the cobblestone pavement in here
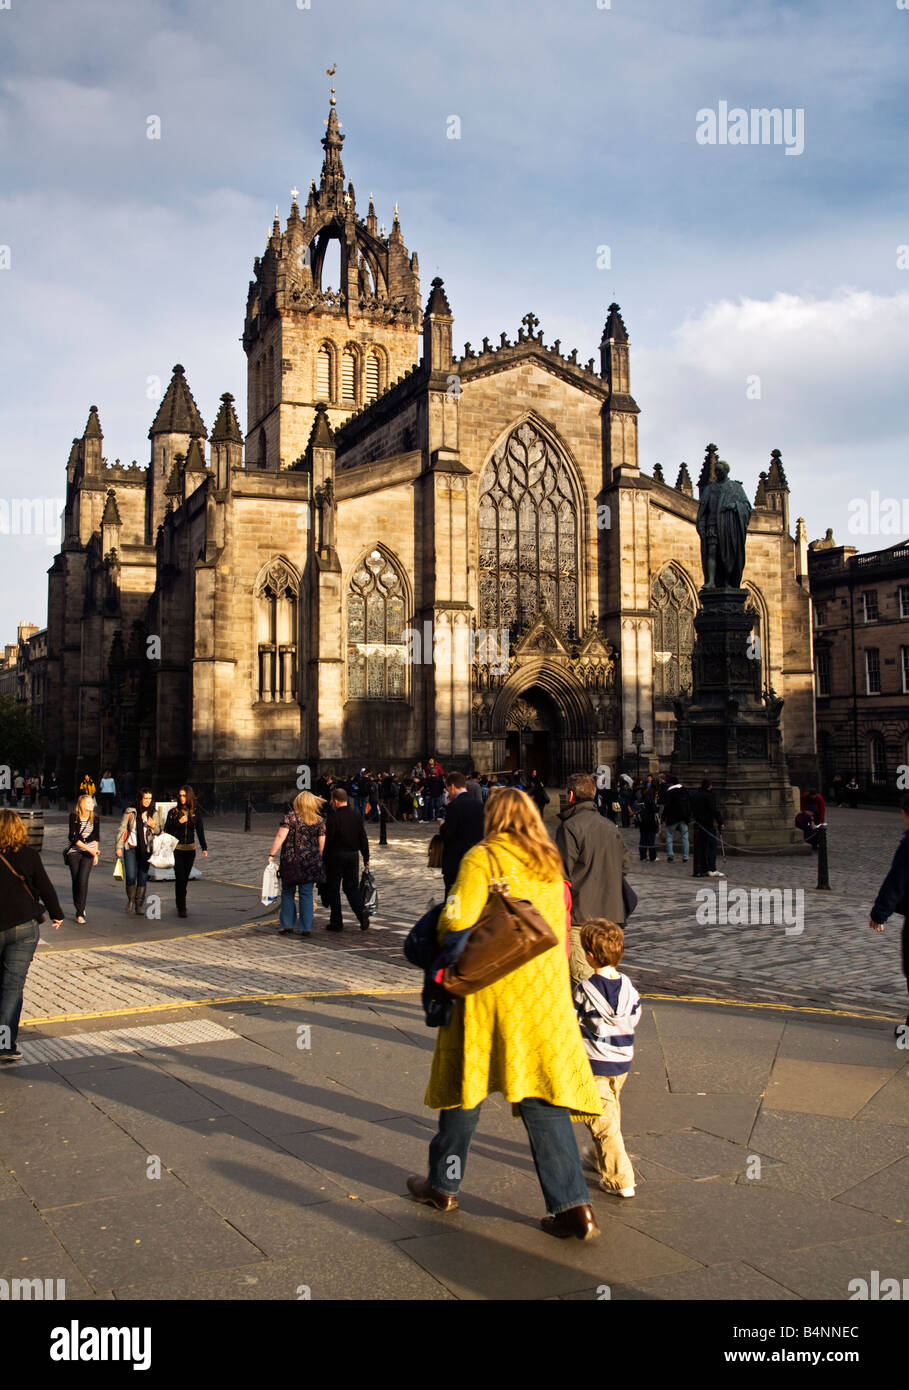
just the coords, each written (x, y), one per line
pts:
(826, 957)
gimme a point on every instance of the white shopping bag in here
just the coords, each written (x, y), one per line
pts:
(269, 884)
(162, 855)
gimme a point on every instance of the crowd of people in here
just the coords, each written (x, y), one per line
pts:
(554, 1033)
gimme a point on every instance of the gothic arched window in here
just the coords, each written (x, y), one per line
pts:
(528, 535)
(373, 376)
(323, 374)
(349, 375)
(276, 632)
(376, 618)
(673, 635)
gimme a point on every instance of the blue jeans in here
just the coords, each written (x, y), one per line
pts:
(17, 946)
(135, 869)
(552, 1143)
(289, 919)
(682, 827)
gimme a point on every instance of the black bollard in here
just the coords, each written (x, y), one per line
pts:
(383, 837)
(247, 819)
(823, 873)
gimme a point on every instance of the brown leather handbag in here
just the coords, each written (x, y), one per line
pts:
(509, 932)
(436, 850)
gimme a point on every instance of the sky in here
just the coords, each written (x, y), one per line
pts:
(765, 289)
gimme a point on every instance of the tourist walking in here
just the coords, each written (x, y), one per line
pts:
(300, 840)
(135, 836)
(53, 791)
(647, 820)
(434, 791)
(83, 849)
(538, 793)
(461, 827)
(345, 841)
(609, 1009)
(108, 791)
(24, 889)
(518, 1036)
(474, 789)
(676, 813)
(595, 859)
(852, 793)
(184, 822)
(893, 896)
(708, 826)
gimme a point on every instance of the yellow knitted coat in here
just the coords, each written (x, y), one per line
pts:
(519, 1036)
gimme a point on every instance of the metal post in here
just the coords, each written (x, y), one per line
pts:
(383, 837)
(823, 875)
(247, 819)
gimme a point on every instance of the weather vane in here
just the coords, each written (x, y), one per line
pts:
(330, 72)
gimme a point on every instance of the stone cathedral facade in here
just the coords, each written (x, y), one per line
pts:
(409, 552)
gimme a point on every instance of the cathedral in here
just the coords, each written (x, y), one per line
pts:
(409, 552)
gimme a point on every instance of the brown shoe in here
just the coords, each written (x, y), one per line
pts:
(576, 1221)
(420, 1190)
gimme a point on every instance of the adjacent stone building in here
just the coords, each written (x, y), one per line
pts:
(409, 552)
(861, 616)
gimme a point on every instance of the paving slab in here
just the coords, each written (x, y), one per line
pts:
(275, 1103)
(717, 1223)
(823, 1088)
(826, 1270)
(500, 1259)
(821, 1154)
(693, 1153)
(886, 1192)
(91, 1164)
(889, 1105)
(729, 1116)
(827, 1042)
(124, 1239)
(731, 1283)
(712, 1050)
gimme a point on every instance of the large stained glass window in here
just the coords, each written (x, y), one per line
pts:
(528, 535)
(673, 635)
(376, 622)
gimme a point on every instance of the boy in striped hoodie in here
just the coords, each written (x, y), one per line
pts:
(608, 1008)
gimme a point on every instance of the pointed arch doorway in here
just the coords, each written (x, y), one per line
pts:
(534, 736)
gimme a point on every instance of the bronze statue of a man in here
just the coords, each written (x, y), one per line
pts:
(722, 524)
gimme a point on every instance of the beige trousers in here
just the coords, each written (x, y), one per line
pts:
(613, 1163)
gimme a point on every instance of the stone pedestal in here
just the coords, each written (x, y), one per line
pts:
(729, 731)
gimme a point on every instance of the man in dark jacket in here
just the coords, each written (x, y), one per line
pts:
(708, 824)
(462, 827)
(345, 841)
(893, 896)
(595, 859)
(675, 815)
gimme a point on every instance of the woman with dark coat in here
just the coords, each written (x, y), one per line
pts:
(24, 889)
(184, 821)
(83, 849)
(708, 824)
(138, 828)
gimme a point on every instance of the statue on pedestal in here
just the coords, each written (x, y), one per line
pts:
(722, 525)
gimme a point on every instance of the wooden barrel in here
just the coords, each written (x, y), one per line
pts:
(34, 824)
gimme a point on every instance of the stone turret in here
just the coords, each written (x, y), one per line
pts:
(176, 424)
(226, 442)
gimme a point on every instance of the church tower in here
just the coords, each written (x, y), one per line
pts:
(333, 314)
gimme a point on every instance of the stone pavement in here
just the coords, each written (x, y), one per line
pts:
(771, 1153)
(820, 953)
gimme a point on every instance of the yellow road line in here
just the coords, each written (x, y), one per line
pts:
(200, 1003)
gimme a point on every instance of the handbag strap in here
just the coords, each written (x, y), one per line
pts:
(497, 881)
(20, 877)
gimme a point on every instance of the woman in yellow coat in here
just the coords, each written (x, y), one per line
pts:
(518, 1036)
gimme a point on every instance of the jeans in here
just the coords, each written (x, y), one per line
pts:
(80, 866)
(17, 946)
(341, 871)
(289, 919)
(135, 867)
(682, 827)
(552, 1143)
(360, 806)
(183, 863)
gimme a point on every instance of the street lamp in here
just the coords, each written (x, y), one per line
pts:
(637, 738)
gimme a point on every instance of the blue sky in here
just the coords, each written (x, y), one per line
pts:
(577, 131)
